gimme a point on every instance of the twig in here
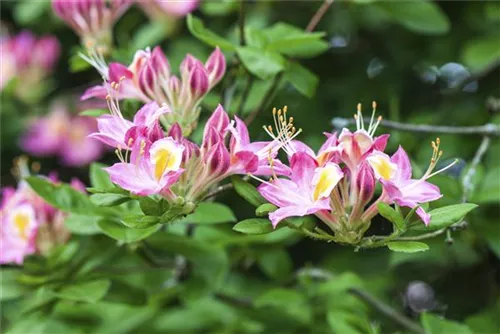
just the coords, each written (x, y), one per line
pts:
(319, 15)
(387, 311)
(242, 23)
(485, 130)
(467, 180)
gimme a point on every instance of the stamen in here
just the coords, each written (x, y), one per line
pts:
(285, 131)
(360, 116)
(436, 155)
(263, 181)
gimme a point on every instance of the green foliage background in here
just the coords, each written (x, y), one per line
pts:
(279, 282)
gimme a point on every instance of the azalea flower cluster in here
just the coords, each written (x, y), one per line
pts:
(28, 58)
(168, 164)
(92, 20)
(60, 133)
(29, 225)
(149, 78)
(337, 183)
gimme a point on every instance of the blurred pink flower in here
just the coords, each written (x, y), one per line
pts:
(92, 20)
(59, 133)
(28, 224)
(28, 58)
(159, 9)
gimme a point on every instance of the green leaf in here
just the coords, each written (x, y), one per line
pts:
(82, 224)
(262, 63)
(197, 28)
(153, 207)
(140, 221)
(287, 300)
(210, 261)
(279, 297)
(407, 246)
(61, 196)
(445, 216)
(423, 17)
(94, 112)
(343, 322)
(391, 215)
(125, 234)
(210, 213)
(482, 53)
(264, 209)
(99, 178)
(434, 324)
(275, 263)
(149, 34)
(10, 287)
(218, 8)
(247, 191)
(489, 189)
(27, 12)
(302, 79)
(89, 292)
(109, 199)
(294, 42)
(254, 226)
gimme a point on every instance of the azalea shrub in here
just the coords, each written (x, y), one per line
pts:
(210, 166)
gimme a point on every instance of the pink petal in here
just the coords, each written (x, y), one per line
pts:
(303, 167)
(149, 113)
(400, 158)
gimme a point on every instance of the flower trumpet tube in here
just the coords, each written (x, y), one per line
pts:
(168, 9)
(92, 20)
(149, 78)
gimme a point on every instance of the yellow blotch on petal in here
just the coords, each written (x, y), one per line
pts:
(166, 156)
(21, 221)
(382, 166)
(325, 179)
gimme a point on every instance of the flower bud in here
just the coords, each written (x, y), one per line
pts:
(147, 81)
(217, 159)
(160, 63)
(174, 85)
(175, 131)
(189, 63)
(211, 138)
(365, 183)
(198, 82)
(216, 66)
(219, 121)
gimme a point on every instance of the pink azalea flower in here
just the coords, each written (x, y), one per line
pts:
(92, 20)
(173, 166)
(29, 225)
(114, 130)
(60, 134)
(152, 170)
(395, 175)
(306, 192)
(28, 58)
(149, 78)
(161, 9)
